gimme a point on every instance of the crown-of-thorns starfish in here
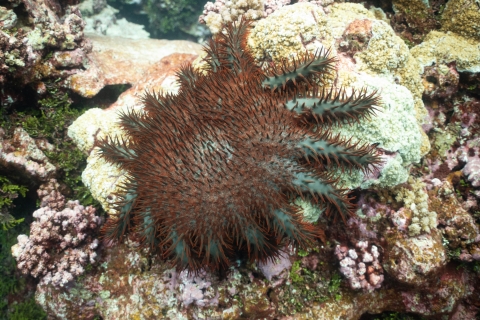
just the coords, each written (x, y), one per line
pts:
(213, 170)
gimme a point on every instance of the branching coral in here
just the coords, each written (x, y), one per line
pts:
(361, 266)
(415, 199)
(213, 171)
(60, 242)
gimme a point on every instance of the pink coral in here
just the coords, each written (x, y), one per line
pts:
(361, 265)
(60, 242)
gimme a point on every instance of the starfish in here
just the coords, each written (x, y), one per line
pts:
(214, 169)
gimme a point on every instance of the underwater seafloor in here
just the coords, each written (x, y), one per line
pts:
(69, 69)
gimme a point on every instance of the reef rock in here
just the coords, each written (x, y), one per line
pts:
(117, 60)
(39, 40)
(463, 51)
(463, 18)
(25, 156)
(414, 260)
(101, 19)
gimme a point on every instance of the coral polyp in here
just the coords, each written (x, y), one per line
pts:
(214, 169)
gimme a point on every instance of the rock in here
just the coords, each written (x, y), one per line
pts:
(117, 60)
(101, 20)
(128, 286)
(24, 155)
(414, 260)
(465, 52)
(458, 226)
(463, 18)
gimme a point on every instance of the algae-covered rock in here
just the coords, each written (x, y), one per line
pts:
(443, 48)
(414, 260)
(463, 18)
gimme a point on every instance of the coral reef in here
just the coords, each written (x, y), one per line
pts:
(232, 162)
(40, 40)
(419, 215)
(463, 18)
(129, 285)
(382, 63)
(415, 200)
(414, 260)
(436, 43)
(61, 241)
(216, 15)
(412, 20)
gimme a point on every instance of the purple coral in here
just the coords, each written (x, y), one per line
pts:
(60, 242)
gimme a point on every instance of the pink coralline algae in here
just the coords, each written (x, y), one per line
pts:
(60, 244)
(361, 265)
(468, 155)
(197, 289)
(274, 268)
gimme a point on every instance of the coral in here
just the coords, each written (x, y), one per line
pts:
(196, 289)
(230, 152)
(414, 260)
(461, 50)
(216, 15)
(415, 199)
(361, 265)
(272, 5)
(34, 31)
(304, 26)
(129, 285)
(60, 244)
(441, 81)
(413, 19)
(272, 269)
(460, 232)
(462, 17)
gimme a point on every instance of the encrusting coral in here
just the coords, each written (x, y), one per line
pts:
(213, 170)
